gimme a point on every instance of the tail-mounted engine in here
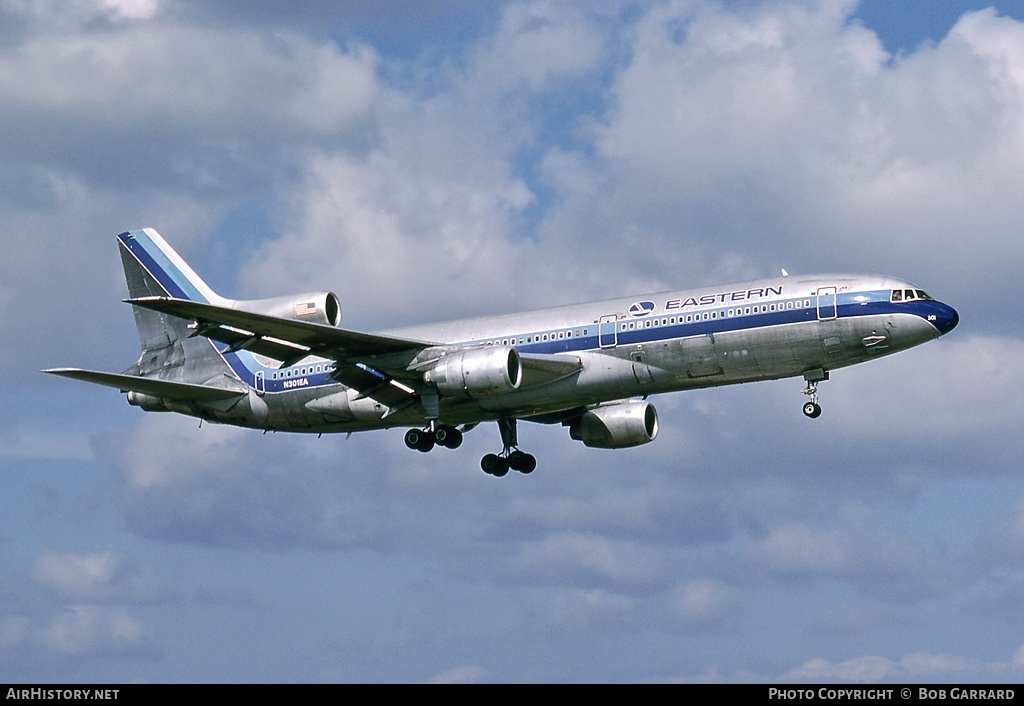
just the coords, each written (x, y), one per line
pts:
(478, 372)
(315, 307)
(616, 426)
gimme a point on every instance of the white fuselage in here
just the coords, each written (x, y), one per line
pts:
(630, 347)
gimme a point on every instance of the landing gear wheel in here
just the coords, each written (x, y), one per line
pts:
(812, 409)
(448, 437)
(419, 440)
(510, 456)
(522, 462)
(412, 438)
(494, 465)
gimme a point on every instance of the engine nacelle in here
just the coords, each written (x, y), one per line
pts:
(148, 403)
(617, 426)
(316, 307)
(478, 372)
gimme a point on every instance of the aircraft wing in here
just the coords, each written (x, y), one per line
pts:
(286, 340)
(291, 340)
(184, 391)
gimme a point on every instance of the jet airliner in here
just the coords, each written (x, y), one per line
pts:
(286, 364)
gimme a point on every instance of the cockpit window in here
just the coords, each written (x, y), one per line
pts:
(909, 295)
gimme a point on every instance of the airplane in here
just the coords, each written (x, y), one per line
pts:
(286, 364)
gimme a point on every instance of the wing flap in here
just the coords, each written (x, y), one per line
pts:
(183, 391)
(374, 384)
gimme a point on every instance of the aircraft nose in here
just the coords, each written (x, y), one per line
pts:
(946, 318)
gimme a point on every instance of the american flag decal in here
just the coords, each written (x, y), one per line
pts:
(307, 309)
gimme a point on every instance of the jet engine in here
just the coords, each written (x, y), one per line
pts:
(315, 307)
(148, 403)
(616, 426)
(478, 372)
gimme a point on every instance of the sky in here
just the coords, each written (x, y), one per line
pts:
(433, 160)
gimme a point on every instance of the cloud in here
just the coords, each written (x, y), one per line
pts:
(1002, 541)
(99, 577)
(78, 14)
(72, 637)
(881, 562)
(589, 558)
(785, 134)
(915, 666)
(33, 444)
(703, 603)
(470, 674)
(82, 630)
(561, 153)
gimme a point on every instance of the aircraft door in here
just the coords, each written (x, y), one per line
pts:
(700, 356)
(641, 370)
(607, 331)
(827, 303)
(260, 383)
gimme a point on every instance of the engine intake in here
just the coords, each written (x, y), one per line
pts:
(478, 372)
(617, 426)
(316, 307)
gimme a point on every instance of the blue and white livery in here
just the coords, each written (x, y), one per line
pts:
(285, 364)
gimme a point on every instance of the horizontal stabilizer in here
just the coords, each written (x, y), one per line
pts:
(183, 391)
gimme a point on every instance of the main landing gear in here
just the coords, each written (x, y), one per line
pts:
(510, 458)
(499, 465)
(812, 409)
(425, 439)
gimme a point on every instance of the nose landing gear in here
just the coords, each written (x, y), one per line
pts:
(812, 409)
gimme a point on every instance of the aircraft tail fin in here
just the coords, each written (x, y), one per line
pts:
(153, 268)
(169, 350)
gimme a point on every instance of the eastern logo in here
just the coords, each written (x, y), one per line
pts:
(641, 309)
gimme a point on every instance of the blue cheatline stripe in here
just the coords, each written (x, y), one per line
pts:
(876, 303)
(160, 266)
(847, 306)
